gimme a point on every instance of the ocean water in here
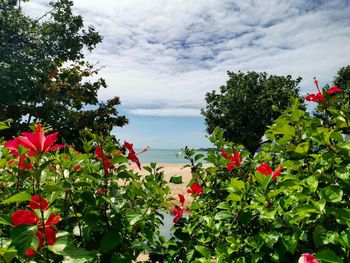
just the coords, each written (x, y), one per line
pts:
(164, 156)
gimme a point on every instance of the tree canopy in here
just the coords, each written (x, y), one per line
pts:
(247, 104)
(44, 76)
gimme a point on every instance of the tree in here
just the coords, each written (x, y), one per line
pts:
(43, 74)
(247, 104)
(342, 79)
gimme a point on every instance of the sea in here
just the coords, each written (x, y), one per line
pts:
(164, 156)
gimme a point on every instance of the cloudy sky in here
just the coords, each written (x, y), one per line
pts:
(161, 57)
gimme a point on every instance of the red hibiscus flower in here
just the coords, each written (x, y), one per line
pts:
(266, 170)
(102, 191)
(315, 97)
(235, 160)
(46, 231)
(334, 89)
(36, 143)
(107, 165)
(132, 156)
(318, 97)
(307, 258)
(178, 211)
(277, 172)
(195, 189)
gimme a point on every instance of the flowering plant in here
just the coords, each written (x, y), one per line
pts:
(250, 212)
(83, 206)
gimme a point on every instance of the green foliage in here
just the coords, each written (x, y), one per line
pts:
(245, 216)
(106, 215)
(247, 104)
(43, 75)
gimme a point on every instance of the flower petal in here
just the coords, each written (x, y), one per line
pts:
(182, 199)
(334, 89)
(277, 172)
(50, 235)
(49, 140)
(30, 252)
(53, 219)
(24, 217)
(38, 203)
(264, 169)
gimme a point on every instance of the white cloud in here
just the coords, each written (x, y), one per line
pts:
(166, 55)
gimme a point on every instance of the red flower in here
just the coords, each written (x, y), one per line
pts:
(266, 170)
(277, 172)
(38, 203)
(318, 97)
(178, 211)
(308, 258)
(27, 217)
(77, 167)
(182, 199)
(315, 97)
(107, 165)
(334, 89)
(195, 189)
(235, 160)
(102, 191)
(132, 156)
(35, 142)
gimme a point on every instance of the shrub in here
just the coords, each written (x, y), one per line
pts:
(60, 205)
(291, 199)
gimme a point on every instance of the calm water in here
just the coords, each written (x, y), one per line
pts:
(164, 156)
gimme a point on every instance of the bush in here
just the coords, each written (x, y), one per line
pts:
(292, 198)
(83, 207)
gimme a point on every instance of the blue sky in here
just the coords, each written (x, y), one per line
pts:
(161, 57)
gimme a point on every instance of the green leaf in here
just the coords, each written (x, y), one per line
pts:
(119, 159)
(342, 215)
(89, 198)
(5, 220)
(121, 259)
(290, 243)
(205, 252)
(110, 240)
(222, 215)
(189, 255)
(344, 238)
(328, 256)
(302, 148)
(7, 252)
(22, 237)
(263, 179)
(64, 246)
(20, 197)
(323, 237)
(332, 194)
(235, 185)
(133, 217)
(313, 183)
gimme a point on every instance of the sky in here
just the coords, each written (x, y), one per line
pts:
(162, 57)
